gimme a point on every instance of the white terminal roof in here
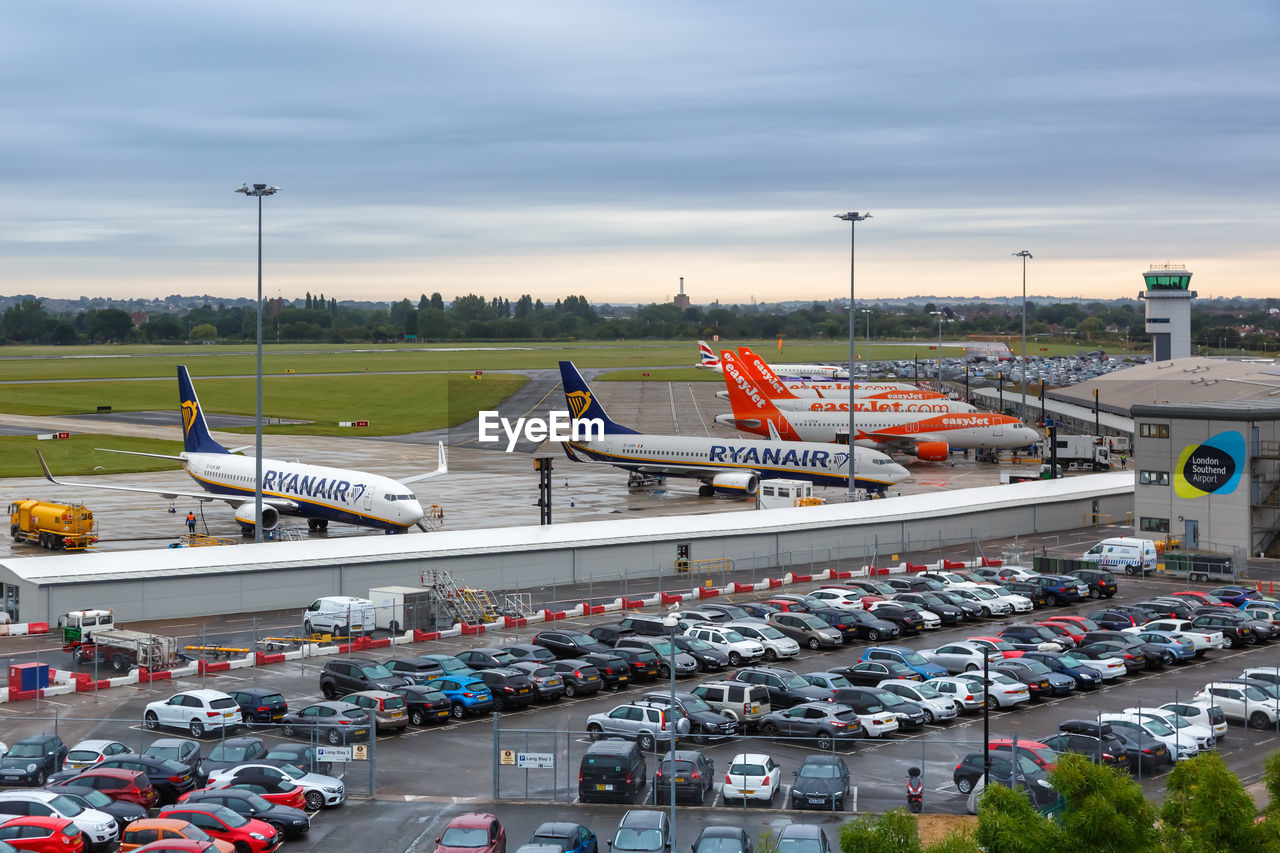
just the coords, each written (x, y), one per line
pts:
(1181, 380)
(249, 558)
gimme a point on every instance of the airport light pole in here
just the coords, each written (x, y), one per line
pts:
(867, 311)
(258, 191)
(671, 623)
(939, 315)
(853, 218)
(1024, 254)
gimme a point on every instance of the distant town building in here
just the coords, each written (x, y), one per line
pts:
(681, 301)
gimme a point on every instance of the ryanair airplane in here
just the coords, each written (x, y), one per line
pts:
(316, 493)
(725, 466)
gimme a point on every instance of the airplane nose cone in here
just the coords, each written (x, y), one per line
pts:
(411, 512)
(900, 473)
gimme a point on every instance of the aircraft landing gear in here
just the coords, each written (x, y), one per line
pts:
(705, 491)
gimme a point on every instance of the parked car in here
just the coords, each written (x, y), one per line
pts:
(467, 695)
(936, 706)
(803, 838)
(171, 779)
(832, 681)
(529, 651)
(1201, 714)
(751, 776)
(822, 721)
(1242, 702)
(123, 812)
(877, 720)
(1030, 637)
(164, 831)
(872, 672)
(706, 725)
(662, 649)
(548, 685)
(907, 617)
(566, 837)
(692, 773)
(300, 755)
(335, 722)
(388, 710)
(276, 788)
(1061, 589)
(181, 750)
(1092, 739)
(1032, 592)
(643, 831)
(1003, 692)
(961, 656)
(949, 613)
(352, 675)
(822, 782)
(856, 624)
(196, 711)
(910, 715)
(486, 658)
(41, 834)
(1045, 757)
(1062, 663)
(642, 663)
(611, 770)
(971, 768)
(738, 701)
(807, 630)
(125, 786)
(259, 704)
(414, 670)
(318, 789)
(707, 657)
(32, 760)
(1183, 728)
(777, 645)
(737, 648)
(99, 828)
(289, 822)
(785, 687)
(569, 644)
(645, 724)
(723, 839)
(580, 678)
(1101, 583)
(424, 704)
(967, 695)
(473, 832)
(1040, 680)
(909, 658)
(87, 753)
(245, 834)
(511, 688)
(233, 751)
(1236, 628)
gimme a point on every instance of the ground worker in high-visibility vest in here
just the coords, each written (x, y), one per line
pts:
(191, 522)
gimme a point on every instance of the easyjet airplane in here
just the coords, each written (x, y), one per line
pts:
(929, 437)
(788, 400)
(724, 466)
(316, 493)
(707, 359)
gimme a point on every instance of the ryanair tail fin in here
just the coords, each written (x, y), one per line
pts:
(583, 404)
(195, 432)
(749, 403)
(707, 357)
(759, 371)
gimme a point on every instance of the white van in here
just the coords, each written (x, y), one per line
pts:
(343, 615)
(1135, 556)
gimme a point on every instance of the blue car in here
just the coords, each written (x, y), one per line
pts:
(1182, 649)
(449, 665)
(466, 695)
(1063, 663)
(909, 658)
(569, 837)
(1236, 596)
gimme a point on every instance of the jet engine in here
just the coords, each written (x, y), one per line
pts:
(932, 451)
(270, 516)
(739, 485)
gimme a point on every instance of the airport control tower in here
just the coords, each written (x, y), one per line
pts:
(1168, 310)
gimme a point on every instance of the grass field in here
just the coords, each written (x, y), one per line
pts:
(393, 404)
(671, 374)
(76, 456)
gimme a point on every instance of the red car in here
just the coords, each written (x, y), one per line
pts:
(1203, 598)
(789, 605)
(247, 834)
(474, 832)
(279, 792)
(123, 786)
(179, 845)
(1066, 629)
(1082, 623)
(43, 834)
(997, 644)
(1041, 754)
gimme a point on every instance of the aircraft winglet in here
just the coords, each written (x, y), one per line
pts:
(441, 468)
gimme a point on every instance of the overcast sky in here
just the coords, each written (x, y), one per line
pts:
(610, 148)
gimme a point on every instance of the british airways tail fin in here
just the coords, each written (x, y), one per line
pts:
(195, 432)
(707, 357)
(758, 370)
(583, 404)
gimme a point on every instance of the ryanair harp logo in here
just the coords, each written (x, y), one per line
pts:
(579, 402)
(189, 411)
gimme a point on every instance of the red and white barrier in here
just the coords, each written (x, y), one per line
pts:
(23, 628)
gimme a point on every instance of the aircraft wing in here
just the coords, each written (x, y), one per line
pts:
(441, 468)
(667, 469)
(171, 494)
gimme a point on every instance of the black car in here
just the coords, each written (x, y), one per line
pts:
(1157, 656)
(611, 770)
(915, 584)
(834, 617)
(692, 774)
(705, 724)
(415, 670)
(872, 672)
(1168, 607)
(171, 779)
(123, 811)
(822, 782)
(259, 704)
(1236, 628)
(1141, 613)
(610, 634)
(1033, 674)
(614, 671)
(731, 611)
(1112, 620)
(1146, 754)
(906, 618)
(1133, 662)
(785, 687)
(709, 658)
(548, 686)
(235, 751)
(288, 821)
(511, 688)
(1102, 584)
(723, 839)
(1026, 637)
(181, 750)
(424, 704)
(354, 675)
(934, 602)
(1096, 741)
(300, 755)
(570, 644)
(872, 700)
(869, 627)
(972, 609)
(32, 760)
(1031, 591)
(1058, 589)
(486, 658)
(580, 677)
(643, 663)
(758, 609)
(1001, 764)
(567, 836)
(1062, 662)
(528, 651)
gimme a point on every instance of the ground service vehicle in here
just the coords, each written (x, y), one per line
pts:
(1135, 556)
(92, 634)
(1082, 451)
(57, 527)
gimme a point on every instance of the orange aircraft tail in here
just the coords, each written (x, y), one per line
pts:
(750, 402)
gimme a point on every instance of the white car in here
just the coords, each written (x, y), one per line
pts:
(98, 827)
(951, 579)
(1241, 702)
(319, 790)
(991, 604)
(1202, 714)
(751, 776)
(841, 599)
(196, 711)
(1020, 603)
(1202, 735)
(1181, 748)
(936, 706)
(967, 695)
(738, 648)
(87, 753)
(1202, 641)
(777, 645)
(961, 656)
(1108, 668)
(1005, 692)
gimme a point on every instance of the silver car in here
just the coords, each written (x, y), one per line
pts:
(686, 664)
(644, 724)
(962, 656)
(807, 630)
